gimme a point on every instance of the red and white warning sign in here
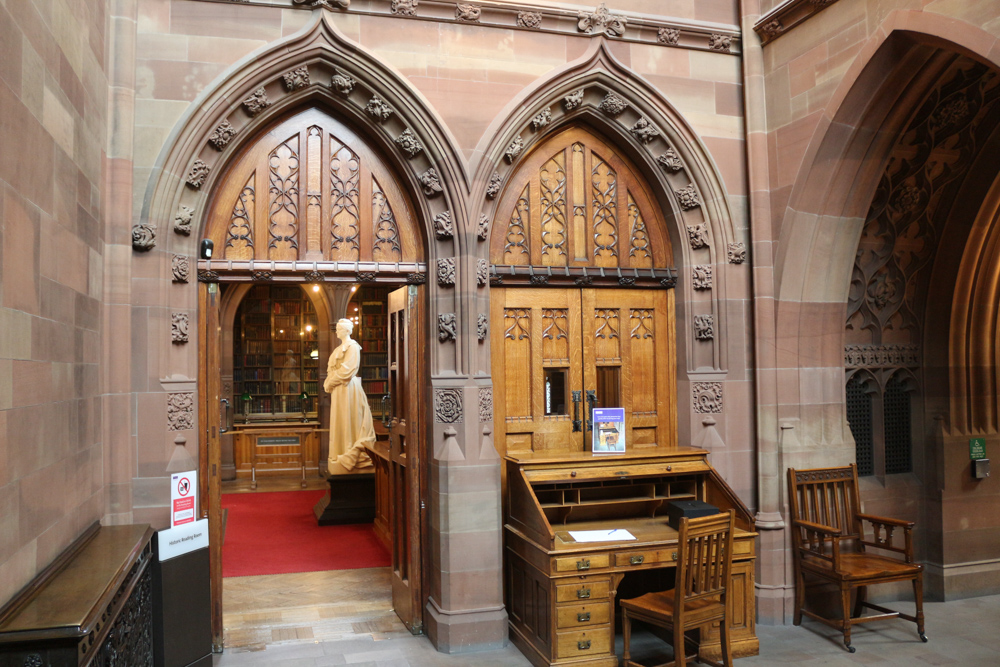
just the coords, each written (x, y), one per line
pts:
(183, 497)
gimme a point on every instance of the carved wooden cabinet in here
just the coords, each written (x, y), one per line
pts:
(560, 593)
(279, 449)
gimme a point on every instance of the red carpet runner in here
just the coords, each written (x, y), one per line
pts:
(276, 533)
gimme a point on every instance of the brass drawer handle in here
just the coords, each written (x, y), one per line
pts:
(583, 564)
(636, 560)
(674, 555)
(583, 645)
(583, 593)
(583, 618)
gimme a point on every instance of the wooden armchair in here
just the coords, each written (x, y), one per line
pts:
(699, 596)
(828, 541)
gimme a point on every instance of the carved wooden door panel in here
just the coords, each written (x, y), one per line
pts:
(404, 453)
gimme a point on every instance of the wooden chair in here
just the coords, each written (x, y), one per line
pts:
(828, 541)
(699, 596)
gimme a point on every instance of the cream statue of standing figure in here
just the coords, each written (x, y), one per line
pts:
(351, 427)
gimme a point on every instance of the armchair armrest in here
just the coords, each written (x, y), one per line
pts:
(885, 520)
(814, 539)
(882, 524)
(817, 527)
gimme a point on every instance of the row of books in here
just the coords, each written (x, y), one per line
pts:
(244, 374)
(253, 388)
(373, 320)
(374, 358)
(256, 347)
(257, 331)
(374, 345)
(374, 372)
(254, 360)
(373, 333)
(286, 307)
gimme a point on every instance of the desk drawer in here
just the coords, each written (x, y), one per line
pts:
(646, 557)
(595, 641)
(578, 615)
(582, 563)
(584, 588)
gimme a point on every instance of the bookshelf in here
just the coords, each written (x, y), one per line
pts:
(368, 310)
(276, 354)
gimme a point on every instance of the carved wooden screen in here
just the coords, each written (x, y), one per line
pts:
(310, 189)
(575, 201)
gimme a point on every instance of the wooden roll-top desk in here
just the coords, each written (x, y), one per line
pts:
(561, 593)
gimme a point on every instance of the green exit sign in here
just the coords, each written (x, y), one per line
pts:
(977, 448)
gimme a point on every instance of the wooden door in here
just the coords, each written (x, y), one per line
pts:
(405, 480)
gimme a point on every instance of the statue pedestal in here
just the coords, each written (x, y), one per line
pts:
(351, 499)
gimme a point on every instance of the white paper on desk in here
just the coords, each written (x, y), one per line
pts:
(617, 535)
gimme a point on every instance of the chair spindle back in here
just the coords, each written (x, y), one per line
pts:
(706, 546)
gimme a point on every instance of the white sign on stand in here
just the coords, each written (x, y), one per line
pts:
(184, 539)
(183, 497)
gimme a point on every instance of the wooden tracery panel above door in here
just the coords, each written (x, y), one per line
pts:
(577, 201)
(310, 189)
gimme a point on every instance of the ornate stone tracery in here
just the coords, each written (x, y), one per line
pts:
(707, 397)
(448, 406)
(602, 21)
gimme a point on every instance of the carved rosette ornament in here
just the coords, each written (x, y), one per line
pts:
(737, 253)
(432, 184)
(721, 43)
(704, 327)
(404, 7)
(409, 143)
(773, 28)
(466, 12)
(584, 281)
(296, 79)
(143, 237)
(484, 227)
(644, 131)
(447, 327)
(626, 281)
(261, 276)
(486, 404)
(323, 4)
(313, 277)
(698, 235)
(482, 327)
(701, 276)
(707, 397)
(178, 327)
(482, 272)
(493, 188)
(207, 276)
(378, 109)
(688, 198)
(365, 277)
(416, 278)
(539, 279)
(670, 161)
(180, 411)
(669, 282)
(180, 268)
(529, 19)
(33, 660)
(183, 219)
(613, 105)
(257, 102)
(197, 174)
(601, 21)
(514, 150)
(668, 36)
(444, 226)
(222, 135)
(573, 100)
(448, 406)
(342, 82)
(541, 119)
(446, 271)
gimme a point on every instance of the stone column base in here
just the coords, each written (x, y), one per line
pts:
(466, 631)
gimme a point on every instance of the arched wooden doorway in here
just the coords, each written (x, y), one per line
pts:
(308, 200)
(580, 315)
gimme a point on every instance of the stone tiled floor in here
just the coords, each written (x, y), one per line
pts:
(345, 618)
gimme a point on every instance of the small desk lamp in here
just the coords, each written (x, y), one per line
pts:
(246, 398)
(304, 396)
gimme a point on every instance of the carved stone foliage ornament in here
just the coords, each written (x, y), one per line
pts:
(325, 4)
(342, 82)
(737, 253)
(180, 267)
(416, 278)
(143, 237)
(721, 43)
(482, 327)
(876, 357)
(698, 235)
(222, 135)
(486, 404)
(704, 327)
(701, 276)
(448, 406)
(668, 36)
(180, 411)
(207, 276)
(773, 28)
(432, 184)
(613, 105)
(409, 143)
(257, 102)
(296, 79)
(484, 227)
(644, 131)
(365, 277)
(493, 188)
(313, 277)
(405, 7)
(183, 219)
(378, 109)
(529, 19)
(688, 198)
(573, 100)
(601, 21)
(261, 276)
(446, 271)
(197, 174)
(670, 161)
(541, 119)
(444, 226)
(482, 272)
(178, 327)
(467, 12)
(707, 397)
(513, 150)
(447, 327)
